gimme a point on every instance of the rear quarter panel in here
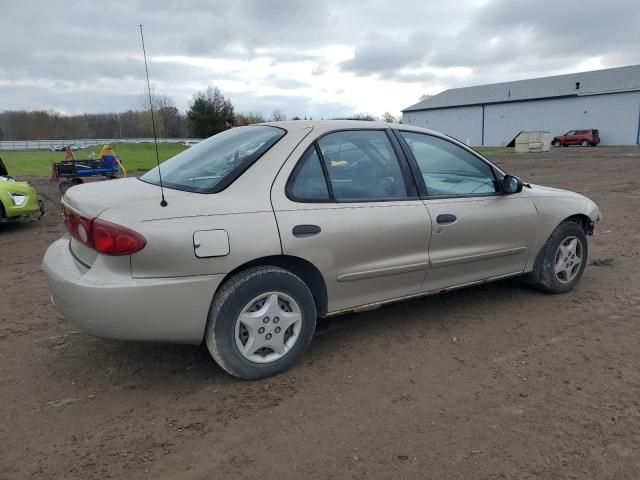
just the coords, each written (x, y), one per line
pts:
(243, 210)
(170, 250)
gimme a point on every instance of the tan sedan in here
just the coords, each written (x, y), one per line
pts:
(268, 227)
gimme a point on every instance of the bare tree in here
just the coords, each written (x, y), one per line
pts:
(388, 118)
(165, 113)
(33, 125)
(278, 116)
(249, 118)
(358, 116)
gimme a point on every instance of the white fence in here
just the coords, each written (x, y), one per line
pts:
(84, 142)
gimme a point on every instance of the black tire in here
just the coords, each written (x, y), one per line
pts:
(42, 207)
(584, 143)
(543, 276)
(4, 218)
(64, 185)
(556, 143)
(227, 306)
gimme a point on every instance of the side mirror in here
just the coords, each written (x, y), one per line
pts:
(511, 184)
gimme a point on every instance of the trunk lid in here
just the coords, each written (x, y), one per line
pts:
(95, 197)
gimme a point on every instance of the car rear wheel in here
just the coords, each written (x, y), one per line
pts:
(584, 143)
(562, 260)
(260, 323)
(64, 185)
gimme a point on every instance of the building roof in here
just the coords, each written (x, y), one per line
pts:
(596, 82)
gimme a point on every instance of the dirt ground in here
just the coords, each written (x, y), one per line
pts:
(491, 382)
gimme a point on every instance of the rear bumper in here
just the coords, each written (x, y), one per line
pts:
(110, 305)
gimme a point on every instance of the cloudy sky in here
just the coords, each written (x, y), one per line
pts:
(318, 58)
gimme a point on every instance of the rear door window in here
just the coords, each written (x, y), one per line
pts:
(362, 166)
(308, 183)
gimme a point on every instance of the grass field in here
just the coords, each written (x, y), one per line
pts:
(134, 156)
(490, 151)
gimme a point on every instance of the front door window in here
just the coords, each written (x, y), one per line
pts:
(449, 170)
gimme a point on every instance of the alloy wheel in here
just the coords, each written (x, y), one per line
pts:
(568, 259)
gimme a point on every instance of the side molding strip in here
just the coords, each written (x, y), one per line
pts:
(381, 272)
(475, 258)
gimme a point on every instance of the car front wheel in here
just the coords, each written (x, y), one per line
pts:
(556, 143)
(584, 143)
(562, 260)
(260, 323)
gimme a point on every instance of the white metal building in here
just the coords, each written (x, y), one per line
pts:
(492, 115)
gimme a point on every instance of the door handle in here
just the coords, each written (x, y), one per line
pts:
(446, 218)
(305, 230)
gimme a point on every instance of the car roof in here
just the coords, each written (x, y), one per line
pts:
(326, 125)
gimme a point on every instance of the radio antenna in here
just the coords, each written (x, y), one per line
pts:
(163, 202)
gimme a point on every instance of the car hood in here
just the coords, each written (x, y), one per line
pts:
(556, 199)
(8, 183)
(541, 190)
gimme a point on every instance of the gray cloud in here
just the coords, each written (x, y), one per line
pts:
(319, 69)
(509, 35)
(292, 105)
(52, 49)
(274, 80)
(65, 100)
(380, 54)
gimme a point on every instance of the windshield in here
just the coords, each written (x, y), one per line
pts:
(215, 163)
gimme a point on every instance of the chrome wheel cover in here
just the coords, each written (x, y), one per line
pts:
(268, 327)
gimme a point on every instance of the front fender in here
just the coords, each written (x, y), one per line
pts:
(553, 207)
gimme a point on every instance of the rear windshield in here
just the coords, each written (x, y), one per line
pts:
(213, 164)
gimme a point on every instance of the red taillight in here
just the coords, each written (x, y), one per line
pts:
(112, 239)
(105, 237)
(78, 225)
